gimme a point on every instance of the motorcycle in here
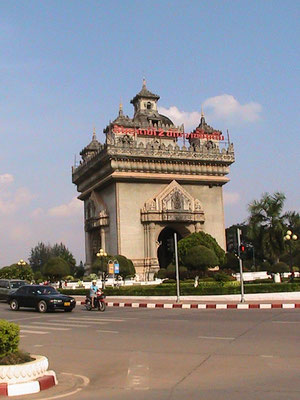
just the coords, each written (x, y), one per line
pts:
(99, 302)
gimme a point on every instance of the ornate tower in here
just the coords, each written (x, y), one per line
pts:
(141, 185)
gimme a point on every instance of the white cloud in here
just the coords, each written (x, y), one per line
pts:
(37, 213)
(231, 198)
(189, 119)
(226, 107)
(10, 203)
(6, 178)
(18, 232)
(74, 207)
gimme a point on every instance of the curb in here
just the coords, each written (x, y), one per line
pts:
(17, 389)
(240, 306)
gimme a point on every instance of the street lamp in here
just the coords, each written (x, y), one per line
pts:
(101, 254)
(289, 237)
(21, 263)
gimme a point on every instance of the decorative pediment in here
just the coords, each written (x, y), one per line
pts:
(96, 214)
(173, 203)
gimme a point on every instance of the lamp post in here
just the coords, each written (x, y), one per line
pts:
(101, 254)
(289, 237)
(21, 263)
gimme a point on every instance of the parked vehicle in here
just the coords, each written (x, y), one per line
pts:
(99, 302)
(42, 298)
(8, 286)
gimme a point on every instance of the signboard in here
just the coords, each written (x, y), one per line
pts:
(110, 267)
(151, 131)
(117, 268)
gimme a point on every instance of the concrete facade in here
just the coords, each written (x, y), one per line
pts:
(149, 180)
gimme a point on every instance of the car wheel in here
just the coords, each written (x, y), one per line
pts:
(69, 310)
(42, 306)
(14, 305)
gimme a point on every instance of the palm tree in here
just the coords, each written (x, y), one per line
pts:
(292, 221)
(266, 225)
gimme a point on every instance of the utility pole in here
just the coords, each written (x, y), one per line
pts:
(177, 269)
(239, 232)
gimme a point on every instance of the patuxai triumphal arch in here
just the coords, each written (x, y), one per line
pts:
(148, 180)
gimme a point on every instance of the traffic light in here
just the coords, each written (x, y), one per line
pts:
(242, 248)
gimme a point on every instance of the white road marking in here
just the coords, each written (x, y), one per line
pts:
(58, 323)
(37, 332)
(97, 319)
(216, 337)
(102, 331)
(46, 327)
(266, 356)
(138, 372)
(286, 322)
(85, 380)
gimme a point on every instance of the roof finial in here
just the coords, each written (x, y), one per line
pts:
(94, 133)
(144, 82)
(120, 108)
(202, 113)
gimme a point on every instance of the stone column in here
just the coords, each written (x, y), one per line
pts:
(146, 240)
(88, 259)
(102, 237)
(152, 240)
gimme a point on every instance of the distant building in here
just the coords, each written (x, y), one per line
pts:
(148, 180)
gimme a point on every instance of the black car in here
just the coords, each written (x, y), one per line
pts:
(8, 286)
(42, 298)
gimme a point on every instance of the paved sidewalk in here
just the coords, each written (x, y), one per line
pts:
(252, 301)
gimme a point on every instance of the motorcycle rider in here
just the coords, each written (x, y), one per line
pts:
(93, 292)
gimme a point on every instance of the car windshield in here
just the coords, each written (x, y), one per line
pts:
(46, 290)
(17, 284)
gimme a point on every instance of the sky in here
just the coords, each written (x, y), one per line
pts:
(66, 65)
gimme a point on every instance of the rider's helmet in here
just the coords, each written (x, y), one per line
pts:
(94, 281)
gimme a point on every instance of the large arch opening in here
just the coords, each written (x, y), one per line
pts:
(165, 251)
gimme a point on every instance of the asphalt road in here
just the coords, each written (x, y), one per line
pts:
(166, 354)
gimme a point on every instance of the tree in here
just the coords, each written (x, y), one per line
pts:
(200, 258)
(100, 265)
(56, 268)
(126, 266)
(232, 262)
(203, 239)
(60, 250)
(278, 268)
(266, 226)
(16, 271)
(292, 222)
(79, 271)
(39, 255)
(42, 253)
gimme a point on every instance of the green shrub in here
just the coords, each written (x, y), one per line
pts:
(90, 278)
(200, 258)
(183, 273)
(56, 268)
(203, 239)
(279, 267)
(221, 277)
(162, 273)
(168, 288)
(9, 337)
(171, 271)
